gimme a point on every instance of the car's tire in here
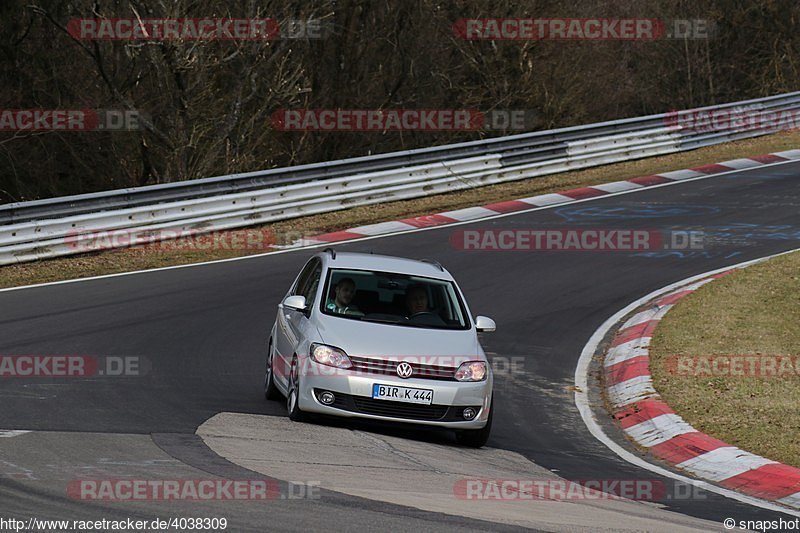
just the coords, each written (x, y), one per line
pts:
(271, 392)
(292, 398)
(476, 438)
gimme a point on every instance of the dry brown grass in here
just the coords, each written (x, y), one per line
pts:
(755, 311)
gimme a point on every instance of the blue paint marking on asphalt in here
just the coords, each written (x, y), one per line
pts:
(687, 254)
(639, 211)
(744, 230)
(773, 175)
(740, 233)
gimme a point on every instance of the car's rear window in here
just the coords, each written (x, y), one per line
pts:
(390, 298)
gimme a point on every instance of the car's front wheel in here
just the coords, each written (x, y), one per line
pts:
(271, 392)
(293, 397)
(476, 438)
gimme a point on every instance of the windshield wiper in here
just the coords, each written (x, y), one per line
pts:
(406, 322)
(381, 320)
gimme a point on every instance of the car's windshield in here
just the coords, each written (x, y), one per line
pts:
(391, 298)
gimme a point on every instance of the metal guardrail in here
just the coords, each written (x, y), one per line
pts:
(54, 227)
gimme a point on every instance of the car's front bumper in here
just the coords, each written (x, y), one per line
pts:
(356, 388)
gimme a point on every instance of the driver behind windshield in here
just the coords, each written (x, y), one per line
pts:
(417, 306)
(342, 299)
(416, 300)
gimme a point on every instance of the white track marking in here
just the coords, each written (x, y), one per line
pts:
(627, 350)
(683, 174)
(656, 313)
(617, 186)
(741, 164)
(631, 390)
(552, 198)
(382, 227)
(694, 286)
(659, 429)
(723, 463)
(469, 213)
(793, 500)
(8, 433)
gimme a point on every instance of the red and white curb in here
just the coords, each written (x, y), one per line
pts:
(522, 204)
(653, 425)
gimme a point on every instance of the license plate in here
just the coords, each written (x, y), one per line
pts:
(401, 394)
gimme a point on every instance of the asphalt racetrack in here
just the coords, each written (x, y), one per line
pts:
(202, 333)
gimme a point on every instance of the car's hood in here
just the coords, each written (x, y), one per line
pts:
(368, 339)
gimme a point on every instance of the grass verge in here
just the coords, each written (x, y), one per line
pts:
(753, 314)
(140, 258)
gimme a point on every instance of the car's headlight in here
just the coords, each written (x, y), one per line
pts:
(471, 371)
(328, 355)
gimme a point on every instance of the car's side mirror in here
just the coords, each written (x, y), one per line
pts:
(298, 303)
(484, 323)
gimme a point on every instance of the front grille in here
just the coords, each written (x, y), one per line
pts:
(410, 411)
(400, 410)
(389, 367)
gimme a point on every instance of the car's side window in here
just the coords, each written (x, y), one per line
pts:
(305, 274)
(310, 288)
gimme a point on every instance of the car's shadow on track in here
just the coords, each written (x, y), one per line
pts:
(410, 431)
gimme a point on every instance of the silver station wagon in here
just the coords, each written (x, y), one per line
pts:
(383, 338)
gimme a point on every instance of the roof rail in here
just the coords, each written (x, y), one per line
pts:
(437, 264)
(330, 251)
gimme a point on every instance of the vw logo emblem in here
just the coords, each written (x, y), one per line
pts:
(404, 370)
